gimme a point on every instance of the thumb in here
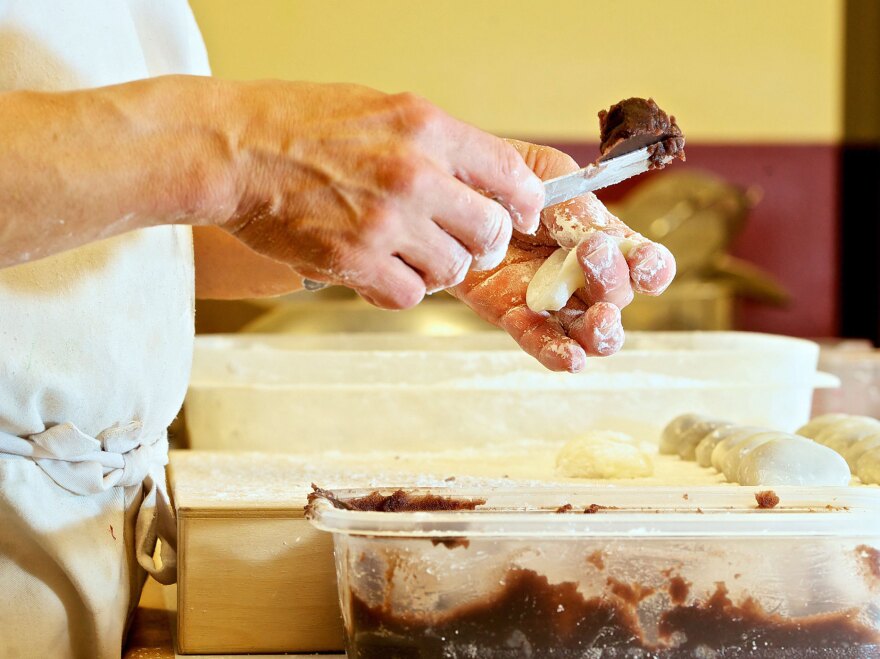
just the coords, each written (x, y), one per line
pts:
(570, 222)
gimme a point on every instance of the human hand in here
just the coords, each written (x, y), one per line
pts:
(590, 323)
(378, 193)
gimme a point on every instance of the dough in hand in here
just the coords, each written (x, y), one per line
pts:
(555, 281)
(603, 454)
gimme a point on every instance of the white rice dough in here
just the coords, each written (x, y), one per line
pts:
(793, 460)
(603, 454)
(868, 467)
(856, 450)
(703, 452)
(683, 433)
(856, 438)
(814, 426)
(733, 458)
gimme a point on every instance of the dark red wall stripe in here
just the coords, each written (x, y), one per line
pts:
(792, 232)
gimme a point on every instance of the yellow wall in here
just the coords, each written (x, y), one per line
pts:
(740, 70)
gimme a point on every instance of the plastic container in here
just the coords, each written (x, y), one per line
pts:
(660, 573)
(410, 392)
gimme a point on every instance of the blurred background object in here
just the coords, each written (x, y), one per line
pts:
(779, 100)
(857, 363)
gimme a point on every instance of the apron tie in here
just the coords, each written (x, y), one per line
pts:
(116, 457)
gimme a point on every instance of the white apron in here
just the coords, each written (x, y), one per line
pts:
(95, 351)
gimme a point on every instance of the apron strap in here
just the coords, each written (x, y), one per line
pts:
(87, 465)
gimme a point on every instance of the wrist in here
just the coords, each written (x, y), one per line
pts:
(194, 136)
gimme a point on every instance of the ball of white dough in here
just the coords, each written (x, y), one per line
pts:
(813, 427)
(793, 460)
(683, 426)
(868, 467)
(733, 459)
(603, 454)
(703, 452)
(838, 436)
(854, 452)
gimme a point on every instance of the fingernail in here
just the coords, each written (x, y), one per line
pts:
(533, 187)
(646, 272)
(602, 257)
(647, 268)
(571, 357)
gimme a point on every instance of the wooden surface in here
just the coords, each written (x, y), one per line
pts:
(151, 634)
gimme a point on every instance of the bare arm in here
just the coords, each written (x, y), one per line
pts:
(80, 166)
(227, 269)
(383, 193)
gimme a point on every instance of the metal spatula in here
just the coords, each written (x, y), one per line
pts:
(598, 175)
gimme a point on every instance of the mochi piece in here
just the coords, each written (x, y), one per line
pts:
(857, 449)
(868, 467)
(840, 434)
(793, 460)
(688, 440)
(603, 454)
(730, 443)
(703, 452)
(733, 458)
(555, 281)
(813, 427)
(678, 428)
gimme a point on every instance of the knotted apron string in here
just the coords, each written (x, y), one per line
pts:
(89, 465)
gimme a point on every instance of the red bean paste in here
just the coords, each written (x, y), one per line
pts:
(679, 589)
(870, 558)
(396, 502)
(529, 617)
(717, 623)
(767, 499)
(635, 123)
(597, 560)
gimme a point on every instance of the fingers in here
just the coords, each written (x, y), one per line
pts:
(391, 284)
(483, 226)
(599, 330)
(606, 271)
(542, 337)
(493, 166)
(440, 259)
(652, 268)
(572, 221)
(545, 161)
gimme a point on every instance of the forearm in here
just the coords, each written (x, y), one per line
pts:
(81, 166)
(227, 269)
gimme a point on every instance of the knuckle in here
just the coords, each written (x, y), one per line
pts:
(495, 230)
(416, 113)
(455, 269)
(402, 173)
(510, 163)
(379, 217)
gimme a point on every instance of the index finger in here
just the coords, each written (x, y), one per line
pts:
(492, 166)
